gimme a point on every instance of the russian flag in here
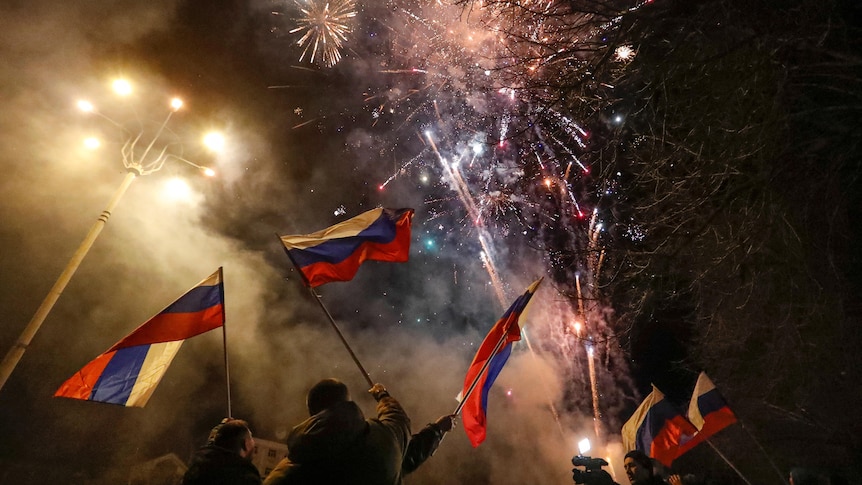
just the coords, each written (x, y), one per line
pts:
(657, 428)
(487, 364)
(128, 373)
(707, 411)
(335, 253)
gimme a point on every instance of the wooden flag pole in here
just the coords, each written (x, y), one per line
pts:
(319, 301)
(224, 341)
(341, 336)
(762, 450)
(728, 462)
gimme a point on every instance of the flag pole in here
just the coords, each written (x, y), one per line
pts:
(769, 458)
(224, 340)
(728, 461)
(341, 336)
(484, 367)
(334, 325)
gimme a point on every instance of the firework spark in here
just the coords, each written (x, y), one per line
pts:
(324, 26)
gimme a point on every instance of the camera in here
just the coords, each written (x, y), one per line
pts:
(592, 473)
(588, 462)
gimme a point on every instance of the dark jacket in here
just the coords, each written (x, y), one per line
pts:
(213, 465)
(338, 446)
(422, 445)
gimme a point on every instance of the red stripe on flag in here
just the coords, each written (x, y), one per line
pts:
(395, 251)
(81, 385)
(167, 327)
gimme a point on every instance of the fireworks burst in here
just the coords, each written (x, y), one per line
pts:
(324, 26)
(470, 107)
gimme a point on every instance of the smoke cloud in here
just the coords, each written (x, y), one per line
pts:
(414, 326)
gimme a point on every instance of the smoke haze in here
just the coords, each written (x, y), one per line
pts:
(414, 326)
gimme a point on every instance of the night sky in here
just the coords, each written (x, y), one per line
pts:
(306, 146)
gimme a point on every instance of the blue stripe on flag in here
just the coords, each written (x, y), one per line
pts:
(710, 401)
(197, 299)
(381, 231)
(119, 377)
(494, 369)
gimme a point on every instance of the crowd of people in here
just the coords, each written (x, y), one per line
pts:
(335, 445)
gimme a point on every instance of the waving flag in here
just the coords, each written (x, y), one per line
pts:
(656, 428)
(487, 364)
(335, 253)
(707, 411)
(128, 373)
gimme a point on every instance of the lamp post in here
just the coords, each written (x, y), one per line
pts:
(139, 160)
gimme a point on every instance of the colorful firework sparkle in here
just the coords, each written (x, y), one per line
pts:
(466, 101)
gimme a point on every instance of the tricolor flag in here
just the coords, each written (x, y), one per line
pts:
(487, 364)
(335, 253)
(656, 428)
(128, 373)
(707, 411)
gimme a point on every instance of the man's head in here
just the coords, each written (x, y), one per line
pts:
(324, 394)
(638, 466)
(234, 435)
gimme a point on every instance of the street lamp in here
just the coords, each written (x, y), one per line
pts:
(140, 158)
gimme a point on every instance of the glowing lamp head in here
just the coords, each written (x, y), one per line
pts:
(176, 104)
(122, 87)
(208, 171)
(214, 141)
(578, 327)
(177, 189)
(91, 143)
(86, 106)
